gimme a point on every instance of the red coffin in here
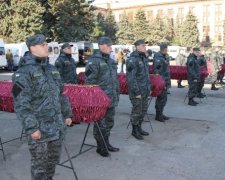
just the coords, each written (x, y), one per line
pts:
(158, 84)
(89, 103)
(223, 68)
(6, 99)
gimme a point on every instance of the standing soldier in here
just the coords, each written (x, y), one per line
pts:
(202, 64)
(41, 107)
(102, 70)
(139, 87)
(180, 61)
(66, 65)
(216, 68)
(193, 75)
(161, 67)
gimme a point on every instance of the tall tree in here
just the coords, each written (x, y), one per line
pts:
(189, 31)
(141, 26)
(177, 33)
(110, 25)
(99, 29)
(125, 31)
(160, 31)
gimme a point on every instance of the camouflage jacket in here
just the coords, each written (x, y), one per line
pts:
(181, 60)
(102, 70)
(138, 75)
(193, 68)
(38, 100)
(67, 68)
(161, 67)
(216, 61)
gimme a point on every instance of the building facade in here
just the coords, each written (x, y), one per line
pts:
(209, 13)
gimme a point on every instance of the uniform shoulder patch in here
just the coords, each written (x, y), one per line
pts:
(37, 74)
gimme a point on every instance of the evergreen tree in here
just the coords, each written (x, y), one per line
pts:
(99, 29)
(125, 33)
(110, 25)
(6, 20)
(141, 26)
(159, 31)
(177, 33)
(189, 35)
(73, 20)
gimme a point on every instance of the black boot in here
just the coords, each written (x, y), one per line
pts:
(142, 132)
(214, 87)
(159, 117)
(179, 85)
(101, 149)
(191, 102)
(136, 133)
(110, 147)
(165, 117)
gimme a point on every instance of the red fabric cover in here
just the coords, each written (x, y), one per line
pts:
(89, 103)
(204, 72)
(209, 67)
(158, 85)
(178, 72)
(222, 68)
(6, 99)
(81, 77)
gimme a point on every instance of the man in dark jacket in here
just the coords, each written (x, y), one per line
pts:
(66, 65)
(41, 107)
(102, 70)
(161, 67)
(194, 77)
(139, 87)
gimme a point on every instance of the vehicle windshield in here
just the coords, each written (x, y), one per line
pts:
(2, 51)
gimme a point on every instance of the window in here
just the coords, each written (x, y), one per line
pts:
(191, 9)
(2, 51)
(160, 12)
(170, 13)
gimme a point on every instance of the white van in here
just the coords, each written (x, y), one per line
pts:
(18, 50)
(74, 49)
(173, 51)
(54, 51)
(3, 61)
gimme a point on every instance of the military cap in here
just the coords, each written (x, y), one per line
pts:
(35, 40)
(104, 40)
(139, 42)
(66, 45)
(163, 46)
(196, 49)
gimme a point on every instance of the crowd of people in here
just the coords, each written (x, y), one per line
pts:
(45, 112)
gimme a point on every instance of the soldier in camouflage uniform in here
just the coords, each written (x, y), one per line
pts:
(202, 63)
(102, 70)
(139, 87)
(41, 107)
(193, 75)
(161, 67)
(66, 65)
(216, 68)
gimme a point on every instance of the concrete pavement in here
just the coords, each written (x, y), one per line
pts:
(190, 146)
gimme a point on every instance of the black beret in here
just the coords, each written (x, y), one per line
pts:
(139, 42)
(196, 49)
(66, 45)
(35, 40)
(104, 40)
(163, 46)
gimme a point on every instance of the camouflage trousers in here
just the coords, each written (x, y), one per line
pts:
(44, 157)
(161, 102)
(200, 85)
(106, 124)
(139, 110)
(193, 89)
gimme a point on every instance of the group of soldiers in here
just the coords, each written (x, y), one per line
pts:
(194, 62)
(45, 112)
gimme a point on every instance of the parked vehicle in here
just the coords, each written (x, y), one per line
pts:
(53, 49)
(85, 49)
(3, 61)
(18, 50)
